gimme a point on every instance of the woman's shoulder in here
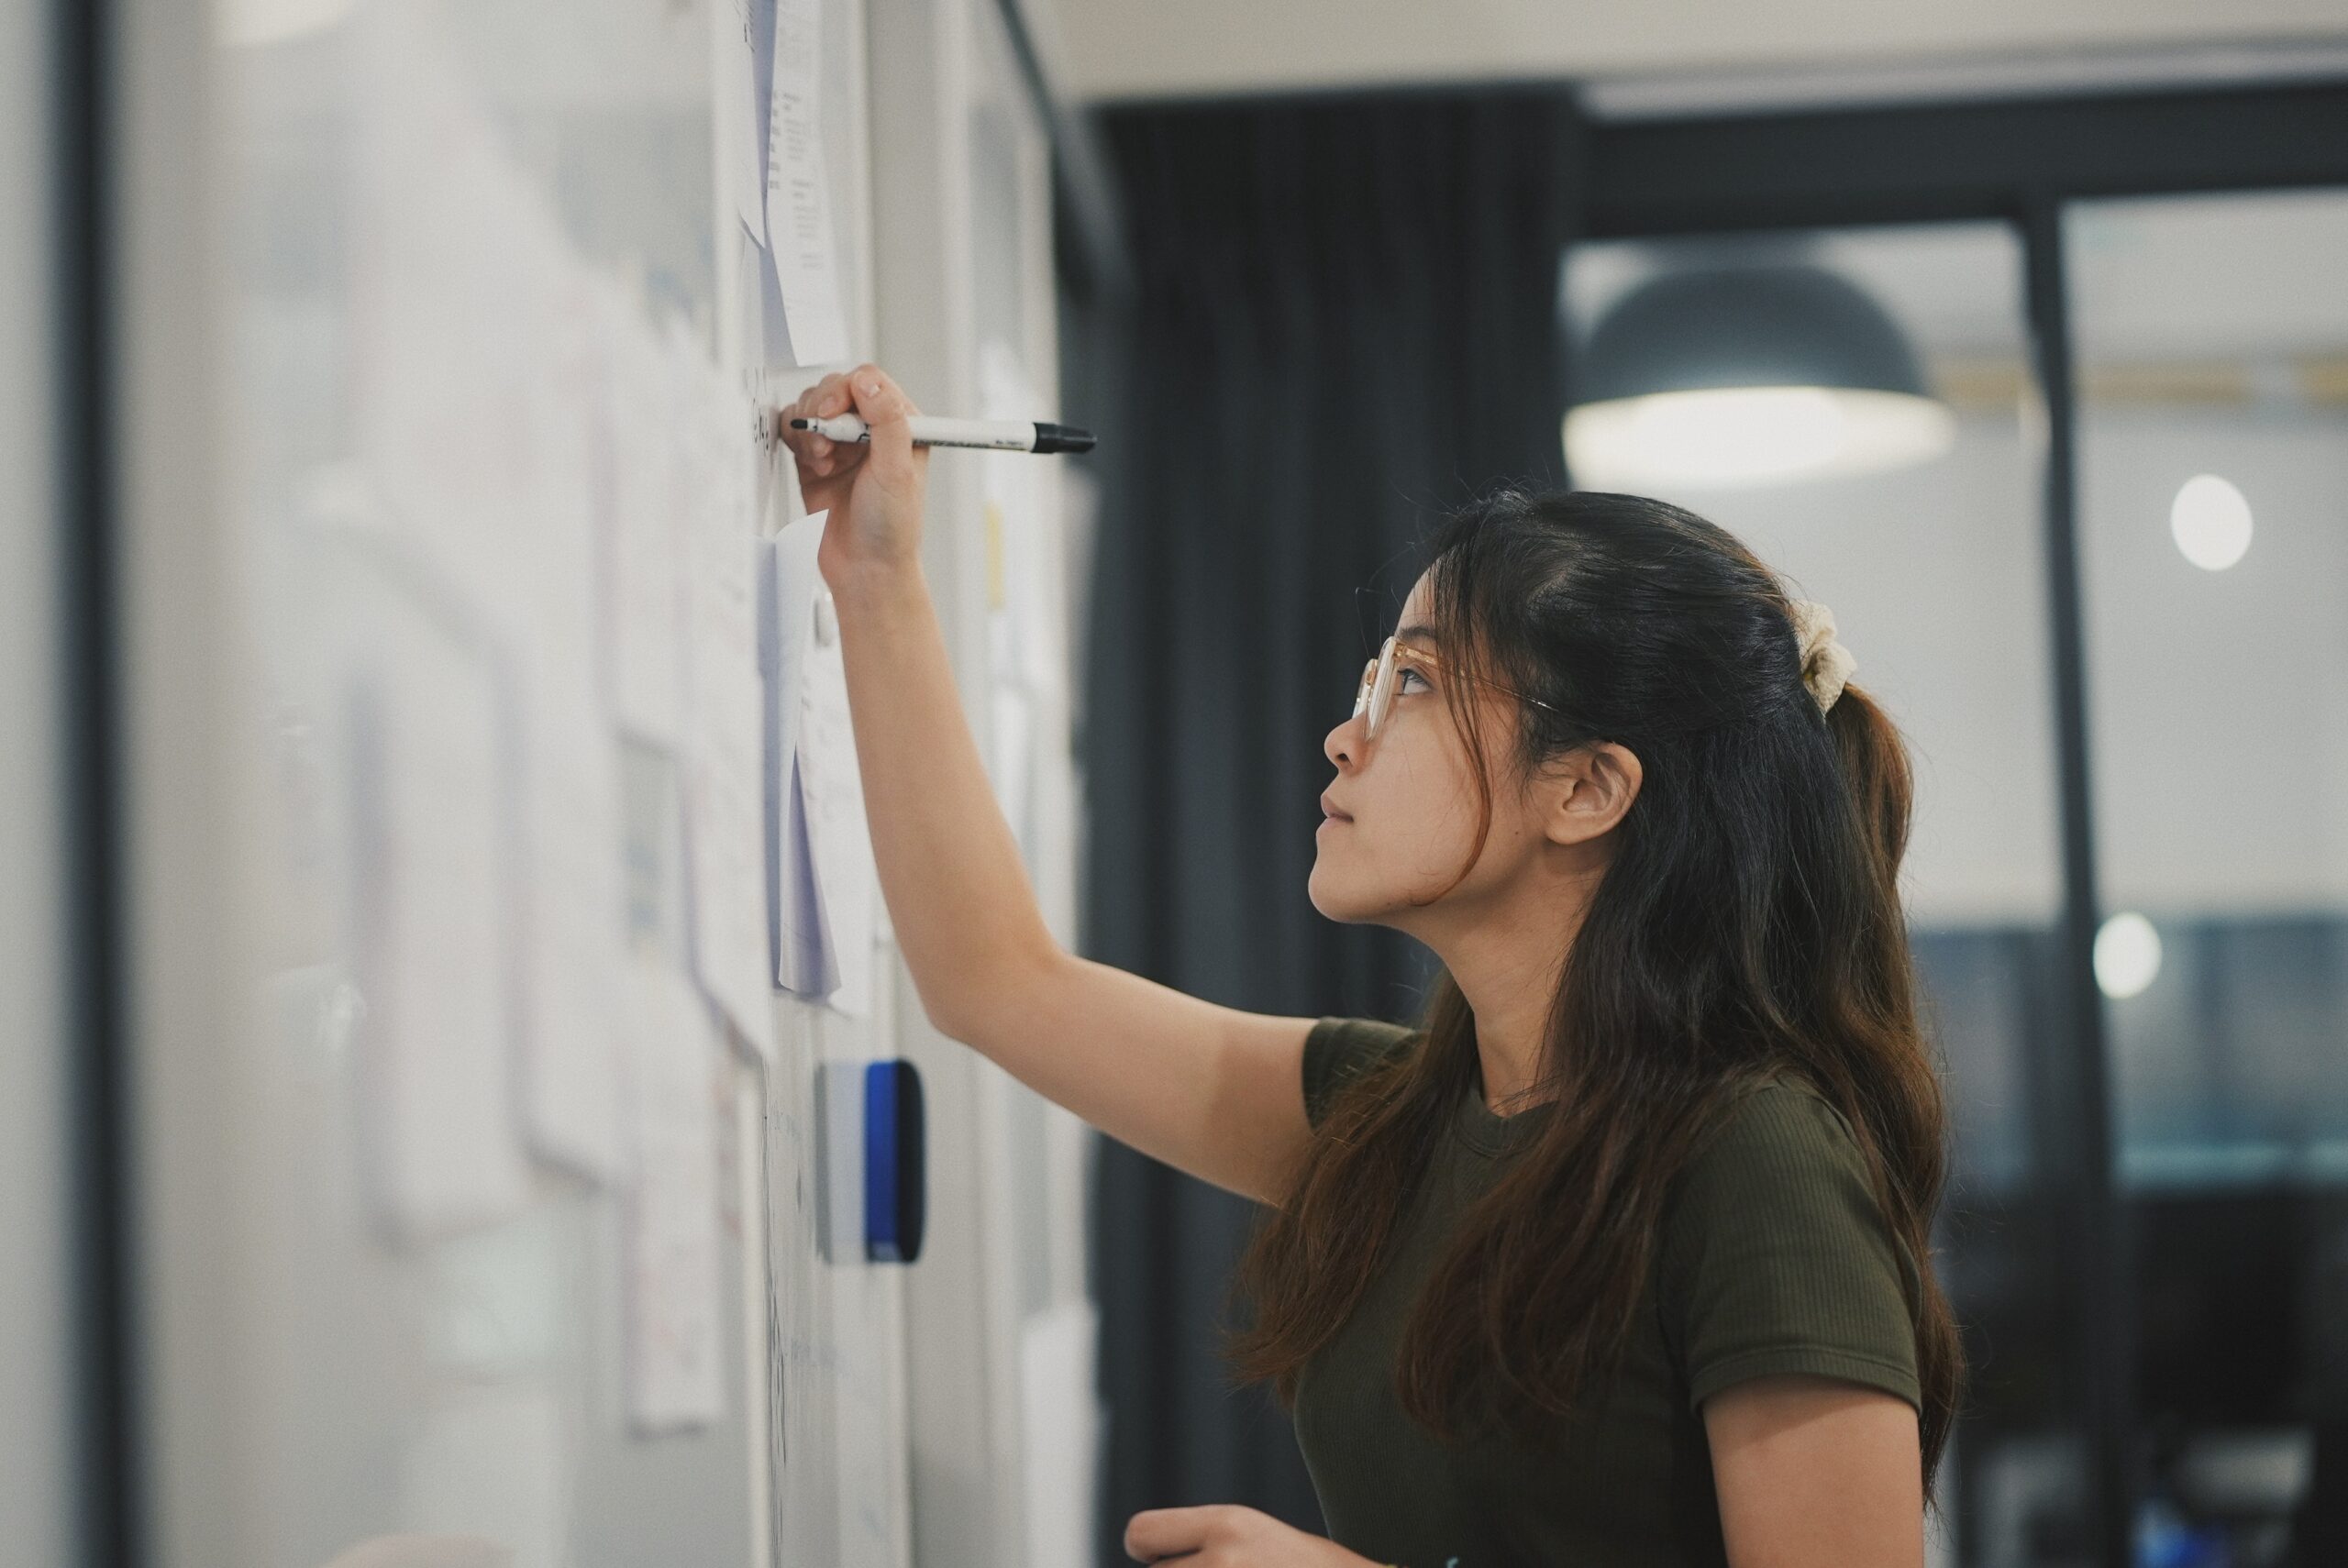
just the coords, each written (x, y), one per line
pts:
(1774, 1126)
(1782, 1161)
(1784, 1103)
(1339, 1050)
(1777, 1257)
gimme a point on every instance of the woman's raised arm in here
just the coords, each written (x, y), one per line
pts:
(1210, 1090)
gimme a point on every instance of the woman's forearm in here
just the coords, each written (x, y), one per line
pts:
(966, 919)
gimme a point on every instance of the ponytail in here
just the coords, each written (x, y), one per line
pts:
(1904, 1111)
(1875, 768)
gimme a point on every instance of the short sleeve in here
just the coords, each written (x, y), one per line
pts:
(1776, 1257)
(1339, 1050)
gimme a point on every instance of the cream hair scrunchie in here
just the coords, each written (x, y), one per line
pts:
(1826, 665)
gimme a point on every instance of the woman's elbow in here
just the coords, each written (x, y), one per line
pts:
(977, 1004)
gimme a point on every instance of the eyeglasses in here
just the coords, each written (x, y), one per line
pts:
(1383, 675)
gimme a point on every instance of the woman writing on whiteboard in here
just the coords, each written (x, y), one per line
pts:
(1623, 1256)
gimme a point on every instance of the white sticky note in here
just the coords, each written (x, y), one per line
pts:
(797, 948)
(430, 950)
(724, 780)
(644, 547)
(805, 963)
(572, 915)
(800, 241)
(427, 270)
(574, 933)
(467, 408)
(824, 885)
(726, 851)
(790, 581)
(676, 1377)
(833, 794)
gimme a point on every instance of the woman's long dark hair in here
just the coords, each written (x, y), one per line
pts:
(1749, 922)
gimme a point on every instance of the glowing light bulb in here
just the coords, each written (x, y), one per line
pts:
(2127, 955)
(2210, 519)
(1734, 438)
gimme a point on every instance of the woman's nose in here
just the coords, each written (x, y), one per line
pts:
(1342, 745)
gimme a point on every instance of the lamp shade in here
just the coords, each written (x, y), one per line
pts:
(1749, 375)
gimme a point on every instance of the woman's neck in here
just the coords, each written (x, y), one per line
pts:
(1506, 952)
(1507, 972)
(1510, 1045)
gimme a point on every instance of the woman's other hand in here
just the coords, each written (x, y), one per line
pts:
(872, 492)
(1228, 1536)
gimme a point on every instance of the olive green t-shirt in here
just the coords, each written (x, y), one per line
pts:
(1774, 1258)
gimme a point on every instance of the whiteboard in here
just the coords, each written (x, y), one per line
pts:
(394, 1398)
(405, 1340)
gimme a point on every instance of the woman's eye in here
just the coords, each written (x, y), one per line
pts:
(1406, 675)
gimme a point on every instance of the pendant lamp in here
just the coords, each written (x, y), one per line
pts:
(1740, 376)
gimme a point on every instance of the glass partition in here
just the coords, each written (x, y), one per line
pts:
(2212, 342)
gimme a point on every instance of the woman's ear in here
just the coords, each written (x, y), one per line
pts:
(1593, 789)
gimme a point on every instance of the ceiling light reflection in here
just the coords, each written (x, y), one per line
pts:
(2127, 956)
(2210, 519)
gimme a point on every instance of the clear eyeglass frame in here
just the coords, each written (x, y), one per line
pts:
(1380, 676)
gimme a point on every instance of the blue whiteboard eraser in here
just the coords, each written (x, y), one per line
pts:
(895, 1163)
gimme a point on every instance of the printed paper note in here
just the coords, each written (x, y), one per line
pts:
(799, 209)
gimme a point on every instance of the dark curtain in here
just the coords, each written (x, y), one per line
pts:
(1345, 319)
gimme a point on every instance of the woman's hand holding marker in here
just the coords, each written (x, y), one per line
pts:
(873, 490)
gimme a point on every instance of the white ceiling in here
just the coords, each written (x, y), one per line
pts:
(1128, 48)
